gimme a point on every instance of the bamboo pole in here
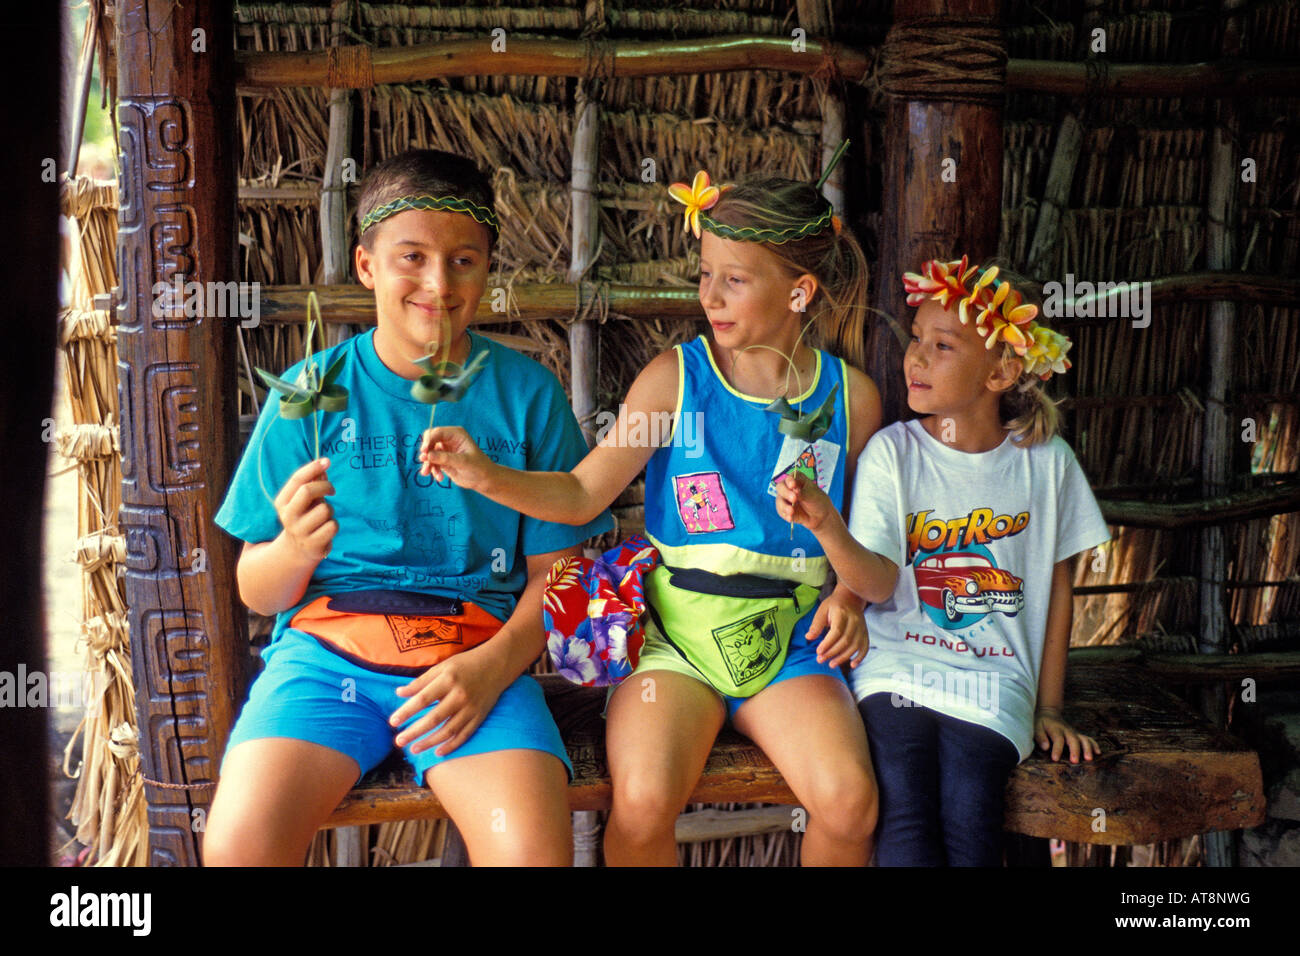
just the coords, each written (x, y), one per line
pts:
(583, 333)
(543, 57)
(335, 270)
(366, 66)
(585, 241)
(815, 18)
(335, 267)
(1216, 458)
(280, 304)
(531, 303)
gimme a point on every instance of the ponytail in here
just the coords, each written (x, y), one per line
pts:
(843, 322)
(1027, 412)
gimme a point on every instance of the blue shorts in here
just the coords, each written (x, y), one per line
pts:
(800, 661)
(306, 692)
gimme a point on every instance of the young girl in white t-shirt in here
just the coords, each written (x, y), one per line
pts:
(983, 507)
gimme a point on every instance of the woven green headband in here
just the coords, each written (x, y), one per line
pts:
(702, 195)
(775, 236)
(480, 214)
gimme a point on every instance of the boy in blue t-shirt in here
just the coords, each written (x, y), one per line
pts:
(407, 610)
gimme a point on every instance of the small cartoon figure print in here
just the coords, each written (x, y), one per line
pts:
(702, 503)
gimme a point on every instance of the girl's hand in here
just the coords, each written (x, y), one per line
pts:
(465, 687)
(846, 641)
(1051, 730)
(449, 450)
(800, 500)
(305, 515)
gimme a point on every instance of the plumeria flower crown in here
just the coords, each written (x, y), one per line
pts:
(999, 311)
(702, 195)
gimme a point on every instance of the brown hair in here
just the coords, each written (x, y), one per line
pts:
(835, 259)
(420, 172)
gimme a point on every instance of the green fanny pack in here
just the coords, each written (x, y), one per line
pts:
(734, 629)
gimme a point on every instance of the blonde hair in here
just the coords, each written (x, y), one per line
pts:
(1025, 409)
(838, 308)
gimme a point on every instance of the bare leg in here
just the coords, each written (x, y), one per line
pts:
(657, 737)
(511, 806)
(809, 727)
(274, 795)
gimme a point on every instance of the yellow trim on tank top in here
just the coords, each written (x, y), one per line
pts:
(729, 559)
(708, 350)
(848, 424)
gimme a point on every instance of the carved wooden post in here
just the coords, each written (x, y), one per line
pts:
(189, 647)
(942, 175)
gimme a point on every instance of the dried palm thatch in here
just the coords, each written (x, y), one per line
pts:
(384, 844)
(108, 809)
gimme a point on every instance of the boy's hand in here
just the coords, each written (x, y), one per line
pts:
(305, 515)
(846, 642)
(449, 450)
(1051, 730)
(466, 687)
(800, 500)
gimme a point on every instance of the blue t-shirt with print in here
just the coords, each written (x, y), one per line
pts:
(398, 529)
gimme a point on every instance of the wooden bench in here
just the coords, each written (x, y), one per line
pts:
(1165, 773)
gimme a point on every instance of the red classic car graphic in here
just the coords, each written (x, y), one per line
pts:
(960, 583)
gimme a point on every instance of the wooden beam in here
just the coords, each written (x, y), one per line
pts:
(532, 302)
(363, 66)
(700, 826)
(189, 640)
(523, 56)
(1185, 399)
(351, 303)
(1205, 286)
(1263, 667)
(1163, 774)
(1281, 498)
(1227, 77)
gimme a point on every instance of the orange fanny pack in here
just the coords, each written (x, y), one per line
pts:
(396, 632)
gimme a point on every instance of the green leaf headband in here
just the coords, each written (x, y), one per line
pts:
(480, 214)
(702, 195)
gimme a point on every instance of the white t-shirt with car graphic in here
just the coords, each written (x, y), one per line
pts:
(975, 537)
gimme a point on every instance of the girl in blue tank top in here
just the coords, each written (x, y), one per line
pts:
(736, 628)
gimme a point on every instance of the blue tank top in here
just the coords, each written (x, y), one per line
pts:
(710, 494)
